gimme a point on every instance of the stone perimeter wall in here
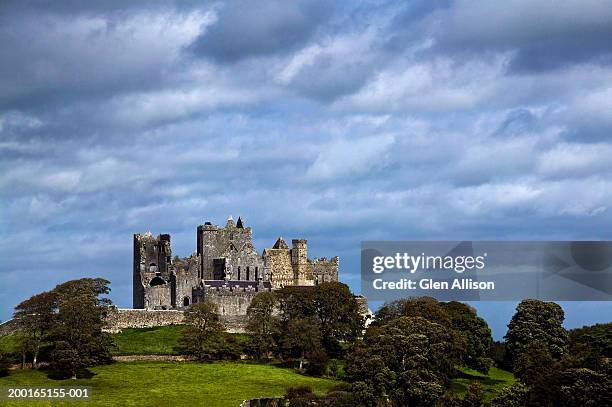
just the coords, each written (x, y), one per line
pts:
(121, 318)
(9, 327)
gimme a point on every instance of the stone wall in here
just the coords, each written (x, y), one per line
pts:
(324, 270)
(278, 266)
(119, 319)
(9, 327)
(231, 301)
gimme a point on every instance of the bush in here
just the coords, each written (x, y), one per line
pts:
(229, 348)
(301, 396)
(317, 361)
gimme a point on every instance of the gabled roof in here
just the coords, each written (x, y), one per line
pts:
(280, 244)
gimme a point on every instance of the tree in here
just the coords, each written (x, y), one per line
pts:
(585, 388)
(539, 321)
(331, 304)
(203, 332)
(262, 323)
(302, 336)
(591, 346)
(425, 307)
(454, 315)
(76, 333)
(338, 314)
(539, 370)
(409, 359)
(476, 332)
(511, 396)
(35, 316)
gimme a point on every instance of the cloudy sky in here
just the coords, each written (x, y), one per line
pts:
(336, 122)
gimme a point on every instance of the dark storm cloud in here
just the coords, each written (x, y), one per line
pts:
(272, 26)
(540, 35)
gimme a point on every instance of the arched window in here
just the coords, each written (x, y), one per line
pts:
(248, 272)
(256, 273)
(157, 281)
(186, 301)
(239, 272)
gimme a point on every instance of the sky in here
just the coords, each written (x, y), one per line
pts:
(332, 121)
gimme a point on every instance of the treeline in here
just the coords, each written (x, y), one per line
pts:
(407, 356)
(308, 326)
(410, 353)
(556, 367)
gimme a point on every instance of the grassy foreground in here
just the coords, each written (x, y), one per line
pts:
(492, 383)
(161, 340)
(173, 384)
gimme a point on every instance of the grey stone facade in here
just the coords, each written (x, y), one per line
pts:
(225, 269)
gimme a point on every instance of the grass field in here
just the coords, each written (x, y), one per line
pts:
(174, 384)
(162, 340)
(179, 383)
(492, 383)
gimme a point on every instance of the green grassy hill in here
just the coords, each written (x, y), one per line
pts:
(174, 384)
(187, 383)
(492, 383)
(161, 340)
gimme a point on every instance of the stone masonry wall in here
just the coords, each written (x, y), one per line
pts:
(278, 265)
(119, 319)
(9, 327)
(324, 270)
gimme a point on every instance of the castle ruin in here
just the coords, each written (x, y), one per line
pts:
(226, 269)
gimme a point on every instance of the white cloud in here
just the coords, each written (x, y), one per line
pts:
(350, 157)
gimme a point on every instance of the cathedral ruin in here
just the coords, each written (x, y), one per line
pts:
(226, 269)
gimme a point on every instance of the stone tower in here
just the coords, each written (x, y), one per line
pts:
(151, 273)
(302, 270)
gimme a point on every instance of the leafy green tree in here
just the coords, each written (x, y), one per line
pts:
(302, 336)
(295, 302)
(409, 360)
(425, 307)
(591, 346)
(338, 314)
(585, 388)
(76, 333)
(331, 304)
(262, 324)
(35, 316)
(203, 331)
(454, 315)
(539, 321)
(476, 332)
(512, 396)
